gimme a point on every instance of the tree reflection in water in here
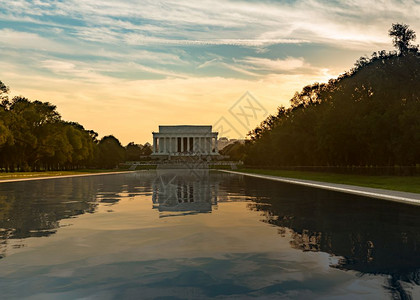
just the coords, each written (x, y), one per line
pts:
(31, 209)
(34, 208)
(372, 236)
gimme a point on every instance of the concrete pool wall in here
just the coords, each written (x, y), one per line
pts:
(396, 196)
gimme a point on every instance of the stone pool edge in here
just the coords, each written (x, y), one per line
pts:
(63, 176)
(390, 195)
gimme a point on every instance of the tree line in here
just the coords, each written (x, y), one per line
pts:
(33, 137)
(368, 116)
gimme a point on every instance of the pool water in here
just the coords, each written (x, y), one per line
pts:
(194, 234)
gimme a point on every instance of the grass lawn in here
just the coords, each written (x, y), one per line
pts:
(397, 183)
(20, 175)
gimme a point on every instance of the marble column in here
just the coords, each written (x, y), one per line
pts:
(178, 146)
(175, 145)
(182, 144)
(188, 144)
(209, 145)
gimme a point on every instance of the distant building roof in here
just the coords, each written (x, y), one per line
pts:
(185, 129)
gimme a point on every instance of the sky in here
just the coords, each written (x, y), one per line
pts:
(126, 67)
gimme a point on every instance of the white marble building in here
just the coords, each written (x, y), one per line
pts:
(185, 140)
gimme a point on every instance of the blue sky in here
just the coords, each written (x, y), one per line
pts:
(124, 67)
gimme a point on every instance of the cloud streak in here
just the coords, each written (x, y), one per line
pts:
(287, 64)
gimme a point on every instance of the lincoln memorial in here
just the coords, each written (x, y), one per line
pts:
(184, 140)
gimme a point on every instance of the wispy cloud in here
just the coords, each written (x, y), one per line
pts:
(208, 63)
(71, 70)
(239, 69)
(27, 40)
(138, 39)
(287, 64)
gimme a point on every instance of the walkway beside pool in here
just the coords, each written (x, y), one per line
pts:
(63, 176)
(396, 196)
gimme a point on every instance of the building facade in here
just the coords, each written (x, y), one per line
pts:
(184, 140)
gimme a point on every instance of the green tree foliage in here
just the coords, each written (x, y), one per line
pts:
(33, 137)
(367, 116)
(5, 133)
(146, 149)
(135, 152)
(110, 152)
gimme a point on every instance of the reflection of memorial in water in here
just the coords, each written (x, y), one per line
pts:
(186, 191)
(371, 236)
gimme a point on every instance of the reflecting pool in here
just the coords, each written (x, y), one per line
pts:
(180, 234)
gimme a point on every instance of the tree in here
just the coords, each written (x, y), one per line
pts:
(235, 151)
(402, 36)
(146, 149)
(366, 116)
(33, 137)
(4, 90)
(133, 151)
(5, 133)
(110, 152)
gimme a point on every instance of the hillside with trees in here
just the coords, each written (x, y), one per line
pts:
(33, 137)
(369, 116)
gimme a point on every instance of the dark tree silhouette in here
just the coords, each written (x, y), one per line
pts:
(402, 36)
(235, 151)
(133, 151)
(365, 117)
(146, 149)
(110, 152)
(3, 88)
